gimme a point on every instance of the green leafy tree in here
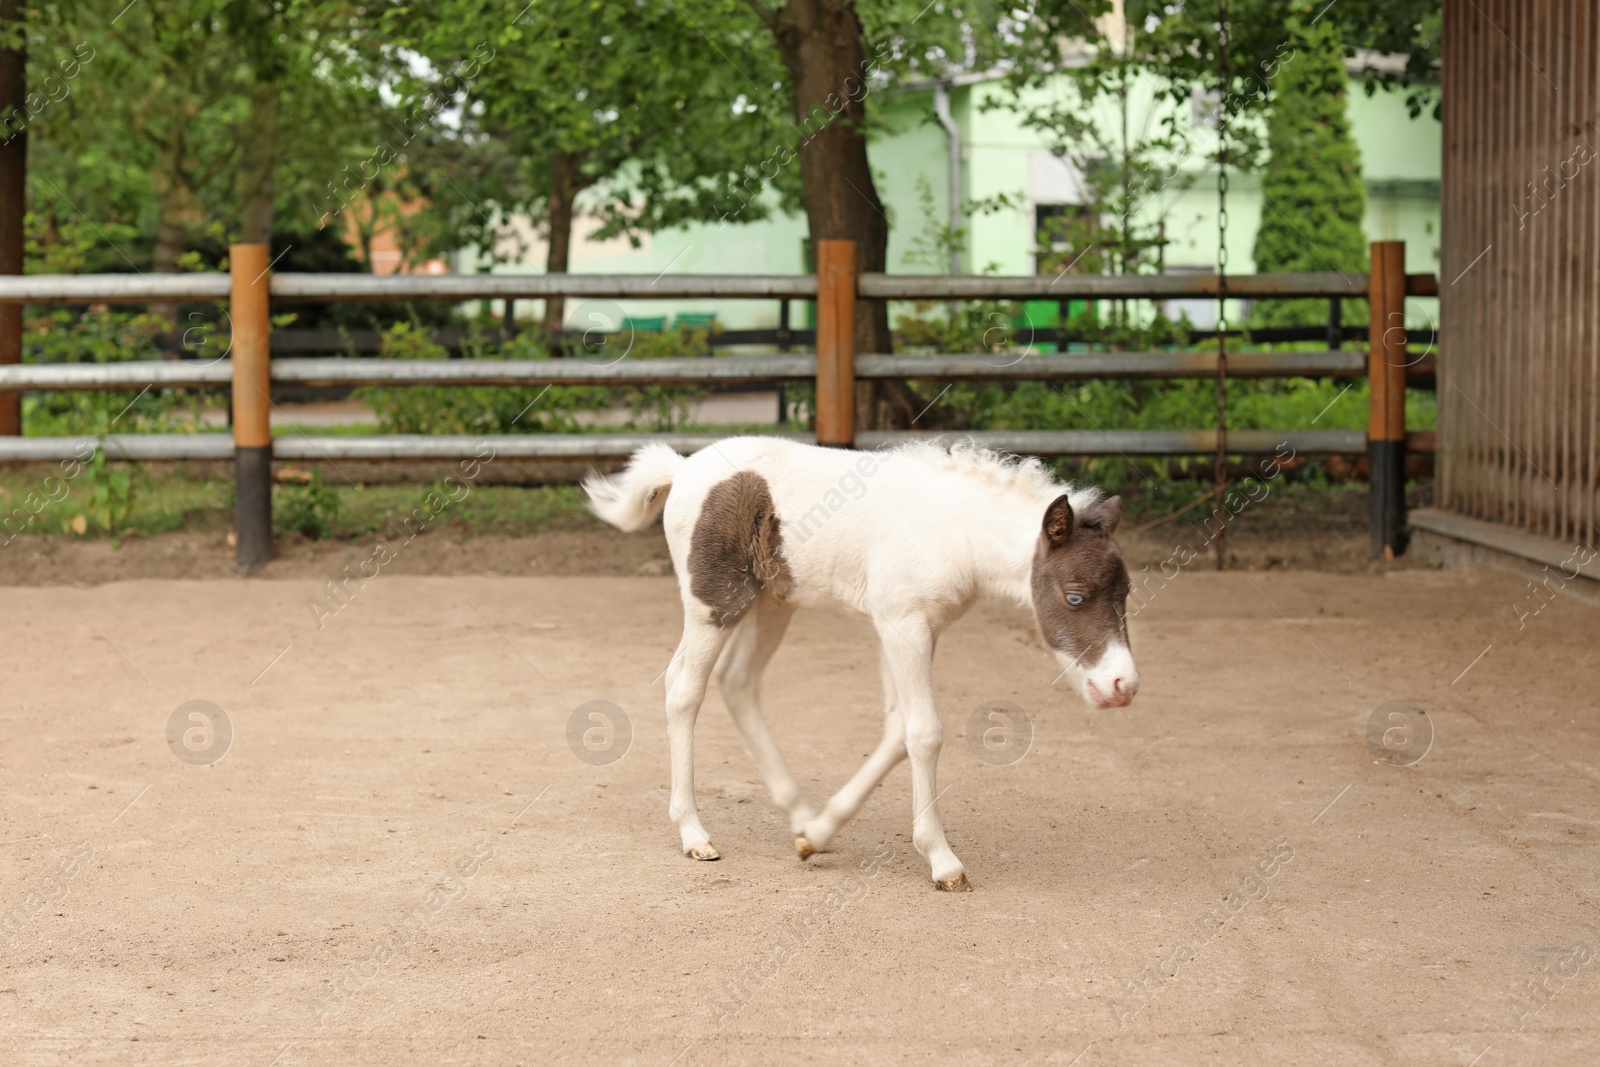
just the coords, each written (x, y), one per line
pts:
(197, 122)
(1179, 46)
(1314, 196)
(625, 111)
(1179, 42)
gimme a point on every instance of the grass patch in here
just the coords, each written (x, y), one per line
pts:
(512, 510)
(167, 498)
(160, 501)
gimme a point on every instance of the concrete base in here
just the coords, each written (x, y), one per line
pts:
(1444, 539)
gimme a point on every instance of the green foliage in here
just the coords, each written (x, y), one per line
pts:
(1315, 199)
(663, 407)
(1179, 42)
(427, 409)
(100, 335)
(311, 510)
(107, 492)
(628, 104)
(943, 39)
(175, 108)
(111, 494)
(998, 329)
(534, 409)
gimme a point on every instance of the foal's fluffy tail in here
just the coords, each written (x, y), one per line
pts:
(633, 499)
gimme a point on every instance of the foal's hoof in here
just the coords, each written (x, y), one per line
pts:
(704, 852)
(803, 849)
(958, 884)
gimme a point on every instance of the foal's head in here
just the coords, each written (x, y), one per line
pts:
(1080, 595)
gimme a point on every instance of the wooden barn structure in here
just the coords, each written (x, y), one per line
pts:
(1519, 388)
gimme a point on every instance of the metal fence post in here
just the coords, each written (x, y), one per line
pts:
(252, 405)
(1386, 418)
(836, 343)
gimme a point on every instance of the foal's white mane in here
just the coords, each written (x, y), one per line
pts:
(1022, 475)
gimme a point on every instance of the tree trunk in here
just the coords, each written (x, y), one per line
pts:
(256, 186)
(13, 202)
(821, 44)
(175, 210)
(564, 186)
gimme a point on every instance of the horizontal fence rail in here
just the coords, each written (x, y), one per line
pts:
(141, 288)
(340, 370)
(603, 446)
(111, 288)
(1109, 287)
(457, 339)
(835, 367)
(136, 375)
(534, 286)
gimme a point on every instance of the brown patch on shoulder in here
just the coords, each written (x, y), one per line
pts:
(736, 551)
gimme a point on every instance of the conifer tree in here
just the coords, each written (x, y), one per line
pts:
(1311, 218)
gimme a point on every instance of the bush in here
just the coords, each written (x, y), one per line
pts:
(311, 510)
(498, 409)
(101, 336)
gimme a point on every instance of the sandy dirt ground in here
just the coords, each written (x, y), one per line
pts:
(402, 858)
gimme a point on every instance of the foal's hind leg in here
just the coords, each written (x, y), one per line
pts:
(686, 689)
(844, 804)
(738, 674)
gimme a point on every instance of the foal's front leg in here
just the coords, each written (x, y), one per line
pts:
(686, 690)
(908, 647)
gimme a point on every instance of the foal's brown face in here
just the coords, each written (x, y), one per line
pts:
(1080, 596)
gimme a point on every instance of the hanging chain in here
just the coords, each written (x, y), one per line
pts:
(1224, 79)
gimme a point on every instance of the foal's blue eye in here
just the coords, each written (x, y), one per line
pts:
(1074, 599)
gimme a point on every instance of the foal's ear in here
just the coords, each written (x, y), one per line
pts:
(1106, 516)
(1058, 521)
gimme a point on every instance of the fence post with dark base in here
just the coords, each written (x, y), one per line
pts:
(1386, 419)
(252, 405)
(13, 189)
(836, 344)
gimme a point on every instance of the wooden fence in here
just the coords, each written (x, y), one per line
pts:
(1519, 403)
(250, 372)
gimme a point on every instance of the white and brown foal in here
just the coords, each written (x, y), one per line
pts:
(910, 538)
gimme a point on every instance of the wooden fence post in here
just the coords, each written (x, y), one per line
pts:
(1386, 419)
(252, 405)
(14, 104)
(836, 344)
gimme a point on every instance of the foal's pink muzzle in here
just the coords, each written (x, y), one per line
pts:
(1121, 692)
(1113, 681)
